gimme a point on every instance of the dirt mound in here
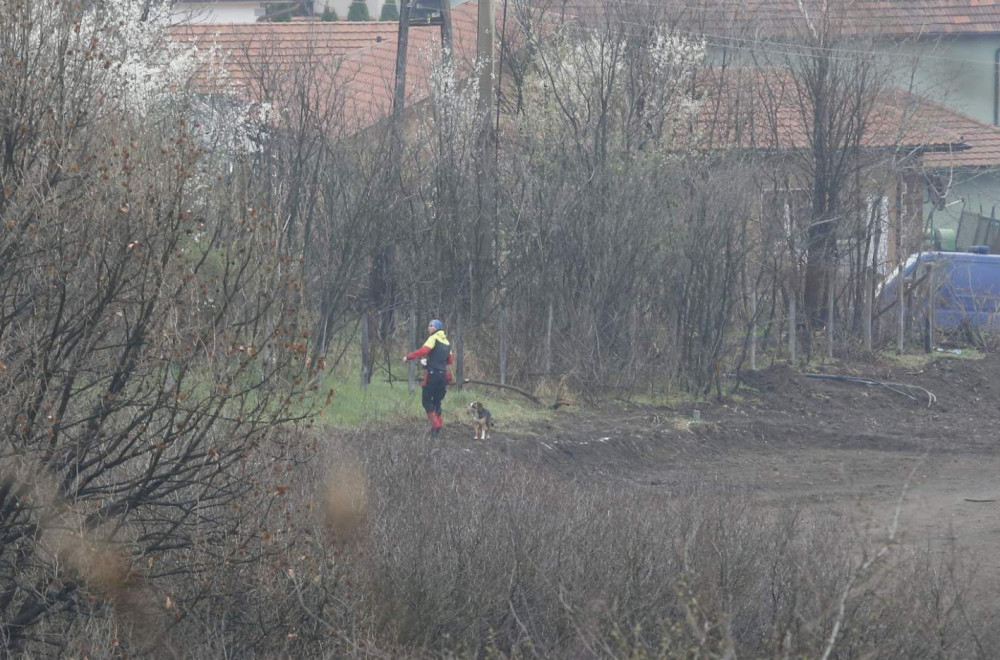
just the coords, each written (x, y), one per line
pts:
(976, 381)
(779, 380)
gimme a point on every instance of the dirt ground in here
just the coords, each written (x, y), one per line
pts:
(834, 447)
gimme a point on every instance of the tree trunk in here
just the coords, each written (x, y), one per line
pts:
(459, 352)
(819, 263)
(503, 348)
(792, 325)
(412, 376)
(366, 352)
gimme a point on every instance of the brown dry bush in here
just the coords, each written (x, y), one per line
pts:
(436, 551)
(465, 553)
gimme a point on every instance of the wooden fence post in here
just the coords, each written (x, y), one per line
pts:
(831, 299)
(366, 375)
(548, 342)
(901, 304)
(412, 377)
(503, 348)
(753, 327)
(866, 308)
(792, 326)
(459, 353)
(931, 290)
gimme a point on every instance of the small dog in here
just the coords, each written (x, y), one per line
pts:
(482, 421)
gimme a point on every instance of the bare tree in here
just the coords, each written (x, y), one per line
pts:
(834, 85)
(145, 346)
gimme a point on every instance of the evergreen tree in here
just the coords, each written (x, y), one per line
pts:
(280, 12)
(328, 14)
(358, 11)
(389, 11)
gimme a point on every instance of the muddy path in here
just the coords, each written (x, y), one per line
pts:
(829, 446)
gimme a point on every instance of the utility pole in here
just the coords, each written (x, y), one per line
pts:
(484, 53)
(447, 38)
(485, 167)
(399, 93)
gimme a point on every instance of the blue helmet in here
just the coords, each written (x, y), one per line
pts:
(437, 325)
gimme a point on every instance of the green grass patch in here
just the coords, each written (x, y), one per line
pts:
(920, 360)
(343, 404)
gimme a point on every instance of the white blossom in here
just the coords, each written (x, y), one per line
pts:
(578, 78)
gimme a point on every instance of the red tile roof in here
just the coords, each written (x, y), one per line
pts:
(762, 109)
(783, 18)
(748, 109)
(246, 46)
(370, 73)
(357, 59)
(982, 139)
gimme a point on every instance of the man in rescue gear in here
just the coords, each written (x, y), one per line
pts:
(437, 350)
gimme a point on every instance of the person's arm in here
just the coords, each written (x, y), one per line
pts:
(417, 354)
(422, 351)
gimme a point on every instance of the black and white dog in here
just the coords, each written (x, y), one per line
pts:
(482, 421)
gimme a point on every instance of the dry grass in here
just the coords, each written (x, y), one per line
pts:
(346, 502)
(466, 554)
(391, 546)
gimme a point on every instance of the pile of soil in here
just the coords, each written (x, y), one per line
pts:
(778, 381)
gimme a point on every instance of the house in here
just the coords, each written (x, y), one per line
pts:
(948, 53)
(759, 110)
(952, 47)
(962, 189)
(352, 64)
(945, 54)
(364, 53)
(250, 11)
(219, 11)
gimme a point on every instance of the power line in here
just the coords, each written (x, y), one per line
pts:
(790, 48)
(721, 40)
(758, 10)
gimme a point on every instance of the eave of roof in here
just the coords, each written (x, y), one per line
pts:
(982, 141)
(764, 109)
(769, 19)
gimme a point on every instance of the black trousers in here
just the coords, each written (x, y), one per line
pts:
(434, 391)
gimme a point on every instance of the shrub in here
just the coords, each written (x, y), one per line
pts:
(389, 11)
(468, 554)
(386, 546)
(358, 11)
(281, 12)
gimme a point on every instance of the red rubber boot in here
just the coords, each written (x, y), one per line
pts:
(435, 422)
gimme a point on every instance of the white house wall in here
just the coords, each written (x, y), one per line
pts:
(249, 12)
(972, 191)
(216, 12)
(956, 71)
(342, 7)
(374, 6)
